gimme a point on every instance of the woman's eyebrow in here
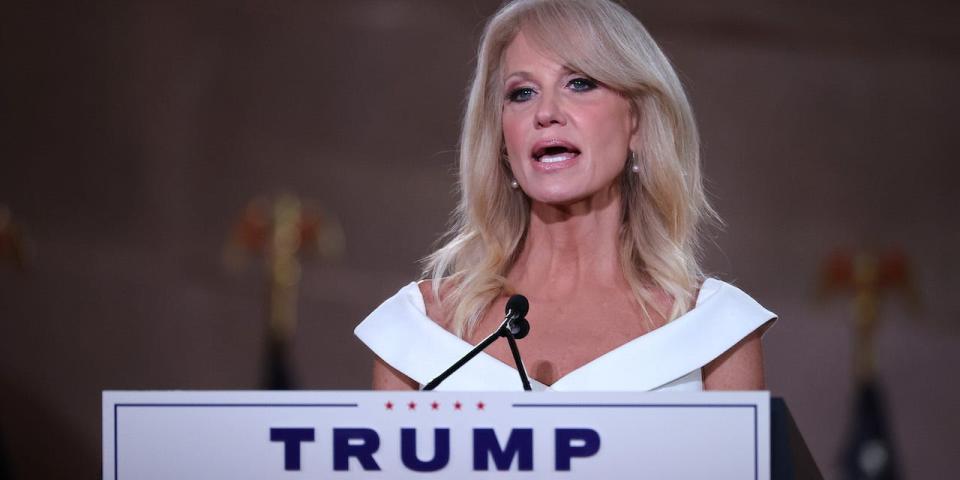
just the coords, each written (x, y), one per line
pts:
(525, 75)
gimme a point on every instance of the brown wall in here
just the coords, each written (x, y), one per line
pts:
(133, 133)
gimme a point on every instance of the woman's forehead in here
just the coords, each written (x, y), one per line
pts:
(527, 51)
(521, 55)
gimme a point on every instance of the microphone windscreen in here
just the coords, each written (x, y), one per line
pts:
(517, 306)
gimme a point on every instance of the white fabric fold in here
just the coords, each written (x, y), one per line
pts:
(667, 358)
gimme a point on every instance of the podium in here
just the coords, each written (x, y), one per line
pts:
(462, 435)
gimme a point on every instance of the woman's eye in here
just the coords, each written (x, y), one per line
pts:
(521, 94)
(581, 84)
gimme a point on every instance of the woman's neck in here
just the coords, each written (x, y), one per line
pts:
(571, 246)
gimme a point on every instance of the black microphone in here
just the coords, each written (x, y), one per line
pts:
(517, 306)
(516, 313)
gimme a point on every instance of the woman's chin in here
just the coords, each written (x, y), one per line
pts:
(569, 195)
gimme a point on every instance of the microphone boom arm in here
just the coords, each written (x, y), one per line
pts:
(516, 358)
(505, 330)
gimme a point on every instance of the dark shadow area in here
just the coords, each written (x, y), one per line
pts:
(38, 442)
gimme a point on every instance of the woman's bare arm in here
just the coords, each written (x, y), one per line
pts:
(739, 368)
(386, 377)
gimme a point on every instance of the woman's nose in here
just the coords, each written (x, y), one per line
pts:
(549, 112)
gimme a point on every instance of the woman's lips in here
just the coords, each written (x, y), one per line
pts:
(553, 153)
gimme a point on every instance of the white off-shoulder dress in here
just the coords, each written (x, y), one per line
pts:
(668, 358)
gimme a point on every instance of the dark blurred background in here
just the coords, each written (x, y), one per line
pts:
(133, 135)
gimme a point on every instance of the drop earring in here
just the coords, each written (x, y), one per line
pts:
(634, 166)
(506, 160)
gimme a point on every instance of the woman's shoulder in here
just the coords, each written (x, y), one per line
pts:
(414, 301)
(402, 337)
(725, 304)
(407, 302)
(711, 286)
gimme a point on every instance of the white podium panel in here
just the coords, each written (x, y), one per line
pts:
(395, 435)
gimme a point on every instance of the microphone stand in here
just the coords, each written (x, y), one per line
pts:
(512, 328)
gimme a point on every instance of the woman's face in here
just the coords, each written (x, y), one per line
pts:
(567, 136)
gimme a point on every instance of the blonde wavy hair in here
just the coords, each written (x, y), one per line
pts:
(663, 205)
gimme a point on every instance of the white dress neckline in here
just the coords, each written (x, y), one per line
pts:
(669, 357)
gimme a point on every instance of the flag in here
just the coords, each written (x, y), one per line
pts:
(277, 374)
(870, 452)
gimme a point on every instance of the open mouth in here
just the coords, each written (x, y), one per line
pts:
(555, 153)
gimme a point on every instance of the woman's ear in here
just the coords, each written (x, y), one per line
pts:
(635, 141)
(634, 119)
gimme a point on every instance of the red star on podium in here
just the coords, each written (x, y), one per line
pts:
(412, 406)
(435, 405)
(457, 405)
(480, 405)
(389, 405)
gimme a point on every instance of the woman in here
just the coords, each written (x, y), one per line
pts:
(581, 189)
